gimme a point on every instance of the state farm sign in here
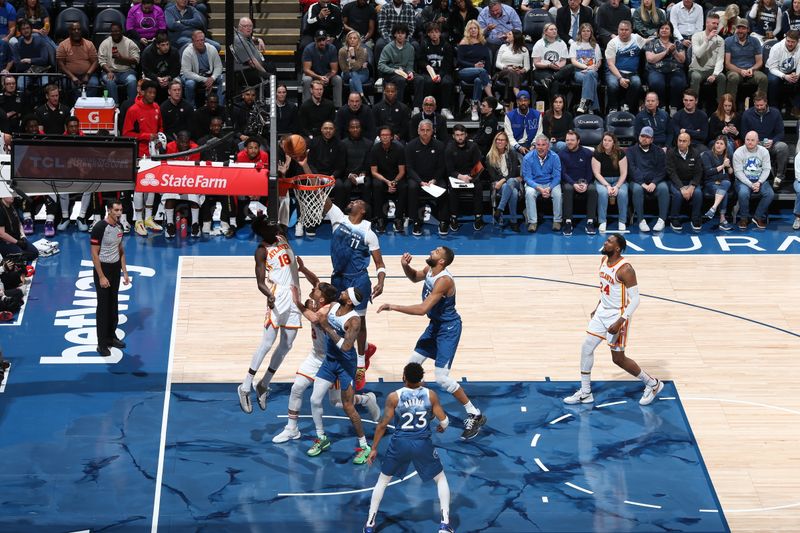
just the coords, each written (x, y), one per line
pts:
(237, 179)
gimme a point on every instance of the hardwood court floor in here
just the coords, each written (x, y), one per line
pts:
(524, 318)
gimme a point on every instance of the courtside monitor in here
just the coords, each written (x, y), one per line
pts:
(56, 163)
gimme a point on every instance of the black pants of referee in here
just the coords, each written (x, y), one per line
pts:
(107, 303)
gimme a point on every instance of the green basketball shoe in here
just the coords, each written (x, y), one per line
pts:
(320, 445)
(361, 455)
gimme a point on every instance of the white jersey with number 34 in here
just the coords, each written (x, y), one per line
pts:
(612, 291)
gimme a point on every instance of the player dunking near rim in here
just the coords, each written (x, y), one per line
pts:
(276, 275)
(440, 339)
(322, 295)
(352, 244)
(412, 407)
(610, 321)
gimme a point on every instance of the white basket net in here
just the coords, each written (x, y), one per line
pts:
(311, 200)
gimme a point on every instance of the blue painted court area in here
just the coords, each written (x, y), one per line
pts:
(614, 466)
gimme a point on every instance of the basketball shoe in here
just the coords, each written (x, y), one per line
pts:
(472, 425)
(372, 407)
(262, 393)
(244, 400)
(445, 528)
(579, 397)
(286, 435)
(368, 353)
(320, 445)
(361, 455)
(368, 529)
(650, 392)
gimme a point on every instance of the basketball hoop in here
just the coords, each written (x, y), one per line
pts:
(311, 191)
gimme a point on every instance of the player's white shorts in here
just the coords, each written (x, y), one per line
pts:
(310, 366)
(601, 321)
(196, 198)
(285, 314)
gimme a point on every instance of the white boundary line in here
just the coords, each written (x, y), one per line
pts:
(540, 464)
(559, 419)
(167, 392)
(5, 379)
(576, 487)
(339, 493)
(535, 440)
(610, 404)
(649, 506)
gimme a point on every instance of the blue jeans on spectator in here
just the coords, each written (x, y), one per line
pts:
(711, 189)
(765, 195)
(509, 196)
(774, 86)
(356, 79)
(696, 202)
(662, 197)
(631, 93)
(478, 77)
(669, 87)
(530, 203)
(797, 197)
(28, 251)
(127, 78)
(589, 80)
(602, 200)
(190, 87)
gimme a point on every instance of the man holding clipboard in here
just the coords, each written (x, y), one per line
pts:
(464, 169)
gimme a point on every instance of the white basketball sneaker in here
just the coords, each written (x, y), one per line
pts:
(244, 400)
(286, 435)
(372, 407)
(262, 393)
(650, 393)
(579, 397)
(602, 227)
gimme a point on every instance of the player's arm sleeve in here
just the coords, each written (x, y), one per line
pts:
(334, 214)
(633, 302)
(372, 241)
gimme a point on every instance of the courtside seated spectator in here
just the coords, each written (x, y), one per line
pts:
(396, 62)
(182, 21)
(77, 58)
(743, 60)
(144, 21)
(647, 172)
(321, 64)
(161, 63)
(201, 68)
(360, 16)
(767, 122)
(31, 53)
(541, 170)
(751, 168)
(315, 110)
(118, 57)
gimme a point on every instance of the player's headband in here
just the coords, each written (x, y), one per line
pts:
(351, 292)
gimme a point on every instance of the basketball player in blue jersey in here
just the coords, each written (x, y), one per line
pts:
(412, 407)
(341, 325)
(276, 277)
(611, 321)
(440, 339)
(352, 244)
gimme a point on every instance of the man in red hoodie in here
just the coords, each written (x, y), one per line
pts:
(182, 143)
(143, 122)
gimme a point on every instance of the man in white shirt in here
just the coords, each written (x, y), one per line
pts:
(687, 19)
(708, 57)
(783, 71)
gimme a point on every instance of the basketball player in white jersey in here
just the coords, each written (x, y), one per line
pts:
(322, 295)
(440, 339)
(610, 322)
(276, 276)
(412, 407)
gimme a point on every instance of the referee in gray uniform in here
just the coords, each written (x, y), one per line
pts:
(108, 257)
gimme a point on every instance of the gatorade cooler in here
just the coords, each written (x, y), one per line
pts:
(96, 113)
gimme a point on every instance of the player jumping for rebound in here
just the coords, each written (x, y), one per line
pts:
(610, 321)
(440, 339)
(412, 407)
(318, 304)
(341, 325)
(276, 275)
(352, 244)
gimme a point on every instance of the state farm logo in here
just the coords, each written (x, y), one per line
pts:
(149, 180)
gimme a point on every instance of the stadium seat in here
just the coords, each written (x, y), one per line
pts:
(67, 17)
(590, 128)
(620, 123)
(102, 24)
(533, 23)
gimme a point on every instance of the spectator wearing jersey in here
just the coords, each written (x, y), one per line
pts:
(434, 70)
(783, 71)
(751, 168)
(622, 57)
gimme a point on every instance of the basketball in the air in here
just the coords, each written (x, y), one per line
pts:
(295, 146)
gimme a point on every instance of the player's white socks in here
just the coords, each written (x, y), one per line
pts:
(63, 199)
(138, 205)
(586, 382)
(267, 339)
(86, 199)
(362, 442)
(195, 215)
(444, 495)
(247, 384)
(471, 409)
(148, 210)
(377, 496)
(291, 421)
(646, 378)
(169, 215)
(417, 358)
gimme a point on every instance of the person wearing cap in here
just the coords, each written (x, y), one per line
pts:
(321, 63)
(523, 124)
(12, 241)
(647, 177)
(743, 60)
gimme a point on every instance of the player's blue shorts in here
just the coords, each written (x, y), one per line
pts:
(440, 341)
(361, 282)
(343, 370)
(403, 451)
